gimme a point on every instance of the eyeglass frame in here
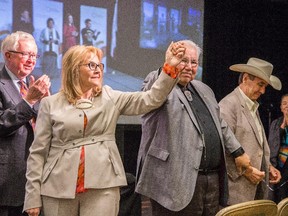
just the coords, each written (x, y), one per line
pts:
(186, 62)
(26, 55)
(97, 65)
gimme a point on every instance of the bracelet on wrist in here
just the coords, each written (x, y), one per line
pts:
(172, 71)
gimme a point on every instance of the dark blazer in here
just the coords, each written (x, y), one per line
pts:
(274, 140)
(16, 136)
(171, 148)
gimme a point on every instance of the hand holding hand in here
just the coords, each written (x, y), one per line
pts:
(274, 175)
(38, 89)
(285, 119)
(33, 211)
(175, 53)
(242, 163)
(254, 175)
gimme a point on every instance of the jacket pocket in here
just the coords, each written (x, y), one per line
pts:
(114, 165)
(158, 153)
(49, 169)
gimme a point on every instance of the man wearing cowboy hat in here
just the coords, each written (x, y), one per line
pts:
(239, 110)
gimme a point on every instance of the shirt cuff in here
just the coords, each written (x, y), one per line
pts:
(240, 151)
(28, 103)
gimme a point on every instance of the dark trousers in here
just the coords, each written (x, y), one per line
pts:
(205, 201)
(130, 202)
(12, 211)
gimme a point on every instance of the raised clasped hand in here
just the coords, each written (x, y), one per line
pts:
(175, 53)
(38, 89)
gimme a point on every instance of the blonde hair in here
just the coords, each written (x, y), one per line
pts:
(73, 58)
(193, 46)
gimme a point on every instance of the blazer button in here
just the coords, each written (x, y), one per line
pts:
(80, 131)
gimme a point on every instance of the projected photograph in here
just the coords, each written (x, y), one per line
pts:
(133, 39)
(48, 31)
(93, 25)
(161, 24)
(5, 24)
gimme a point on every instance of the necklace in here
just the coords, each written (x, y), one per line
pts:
(84, 103)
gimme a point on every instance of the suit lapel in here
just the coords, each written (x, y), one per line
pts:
(188, 108)
(248, 116)
(208, 104)
(9, 87)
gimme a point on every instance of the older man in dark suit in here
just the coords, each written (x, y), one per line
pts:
(18, 110)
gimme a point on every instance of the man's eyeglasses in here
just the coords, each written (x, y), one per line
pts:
(93, 66)
(186, 62)
(26, 55)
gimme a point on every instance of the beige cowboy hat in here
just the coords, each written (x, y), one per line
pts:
(259, 68)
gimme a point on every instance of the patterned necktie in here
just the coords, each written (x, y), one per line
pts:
(23, 92)
(23, 88)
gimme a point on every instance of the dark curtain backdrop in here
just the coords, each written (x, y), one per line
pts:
(235, 30)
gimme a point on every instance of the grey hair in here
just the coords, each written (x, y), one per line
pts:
(11, 42)
(240, 79)
(193, 45)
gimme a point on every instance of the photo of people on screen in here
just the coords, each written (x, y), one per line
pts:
(70, 33)
(50, 39)
(89, 36)
(25, 23)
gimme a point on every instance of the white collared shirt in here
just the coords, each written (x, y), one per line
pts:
(253, 106)
(14, 78)
(15, 81)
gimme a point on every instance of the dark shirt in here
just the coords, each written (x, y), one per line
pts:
(211, 157)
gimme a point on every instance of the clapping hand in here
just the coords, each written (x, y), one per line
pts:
(285, 118)
(38, 89)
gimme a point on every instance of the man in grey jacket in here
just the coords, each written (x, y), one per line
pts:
(181, 164)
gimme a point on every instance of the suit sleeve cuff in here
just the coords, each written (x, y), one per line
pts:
(240, 151)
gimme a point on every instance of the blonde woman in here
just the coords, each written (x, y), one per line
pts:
(74, 167)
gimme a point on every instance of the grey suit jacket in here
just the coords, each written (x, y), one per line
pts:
(236, 113)
(16, 136)
(171, 148)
